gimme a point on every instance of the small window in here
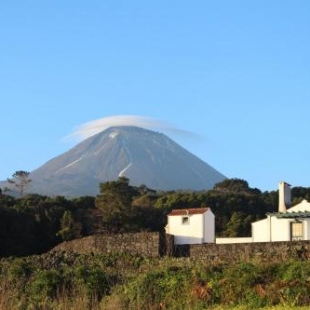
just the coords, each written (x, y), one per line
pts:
(185, 220)
(296, 231)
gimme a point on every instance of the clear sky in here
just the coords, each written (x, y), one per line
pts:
(235, 74)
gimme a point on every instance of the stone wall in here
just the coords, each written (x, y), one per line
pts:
(154, 244)
(260, 251)
(145, 243)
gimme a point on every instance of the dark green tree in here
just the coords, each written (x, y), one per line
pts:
(115, 201)
(70, 228)
(239, 225)
(235, 186)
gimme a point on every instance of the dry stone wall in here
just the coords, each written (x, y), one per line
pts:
(260, 251)
(143, 243)
(154, 244)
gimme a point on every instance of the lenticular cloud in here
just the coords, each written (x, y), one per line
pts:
(91, 128)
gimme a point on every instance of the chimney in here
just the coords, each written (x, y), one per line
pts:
(284, 196)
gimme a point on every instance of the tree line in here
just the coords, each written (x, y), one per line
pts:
(33, 224)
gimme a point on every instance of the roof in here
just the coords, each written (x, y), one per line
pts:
(291, 215)
(192, 211)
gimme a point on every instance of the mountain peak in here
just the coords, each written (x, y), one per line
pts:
(143, 156)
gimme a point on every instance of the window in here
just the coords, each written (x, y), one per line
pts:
(185, 220)
(296, 231)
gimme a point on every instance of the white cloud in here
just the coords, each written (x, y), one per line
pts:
(91, 128)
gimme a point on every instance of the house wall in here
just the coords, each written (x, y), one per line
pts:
(191, 233)
(271, 229)
(261, 231)
(306, 225)
(280, 229)
(209, 227)
(301, 207)
(274, 229)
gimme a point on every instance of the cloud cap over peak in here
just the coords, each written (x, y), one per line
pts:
(91, 128)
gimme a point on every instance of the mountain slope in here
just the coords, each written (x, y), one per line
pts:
(143, 156)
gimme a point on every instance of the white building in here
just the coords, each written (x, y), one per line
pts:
(191, 226)
(288, 224)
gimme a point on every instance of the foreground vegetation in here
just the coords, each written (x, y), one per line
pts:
(60, 280)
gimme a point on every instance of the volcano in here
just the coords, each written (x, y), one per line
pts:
(143, 156)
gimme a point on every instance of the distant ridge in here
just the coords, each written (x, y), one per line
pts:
(144, 156)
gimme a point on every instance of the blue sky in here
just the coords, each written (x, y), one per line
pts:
(235, 74)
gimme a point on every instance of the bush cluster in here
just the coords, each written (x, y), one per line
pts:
(60, 280)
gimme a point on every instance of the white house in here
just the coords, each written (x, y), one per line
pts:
(191, 226)
(288, 224)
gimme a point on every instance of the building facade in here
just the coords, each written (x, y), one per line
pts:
(288, 224)
(191, 226)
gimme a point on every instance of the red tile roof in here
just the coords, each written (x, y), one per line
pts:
(188, 211)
